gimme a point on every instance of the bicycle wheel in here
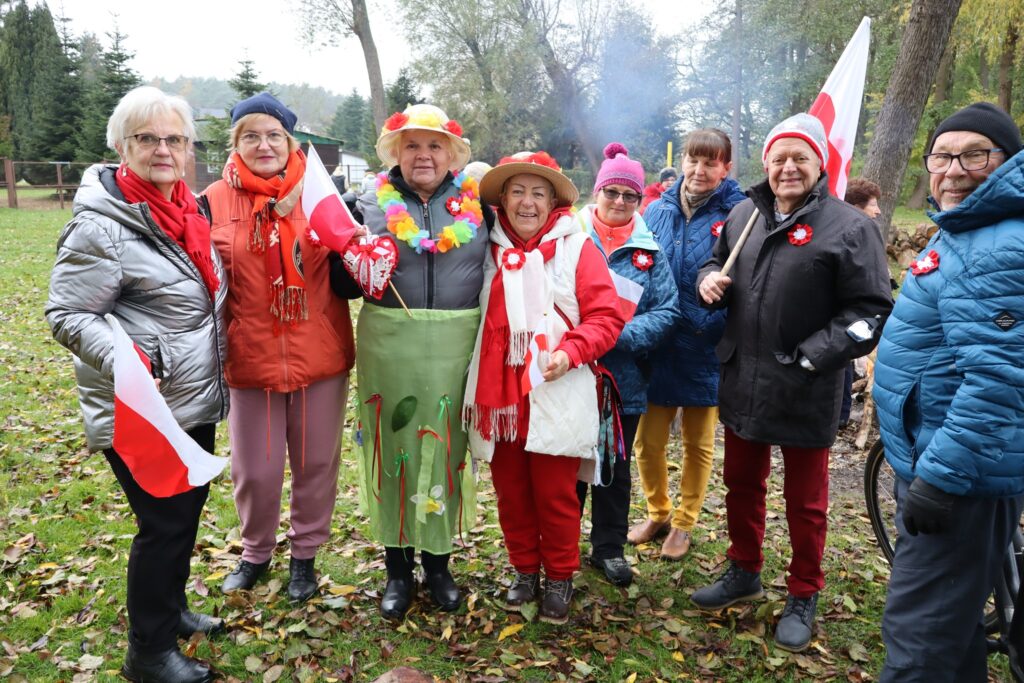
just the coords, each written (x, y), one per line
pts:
(879, 493)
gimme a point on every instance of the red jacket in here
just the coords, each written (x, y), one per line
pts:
(651, 193)
(299, 354)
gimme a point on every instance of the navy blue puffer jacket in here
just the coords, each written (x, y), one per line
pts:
(685, 368)
(949, 381)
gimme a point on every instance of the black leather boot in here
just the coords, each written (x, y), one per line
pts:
(399, 591)
(244, 576)
(440, 582)
(195, 622)
(170, 666)
(302, 582)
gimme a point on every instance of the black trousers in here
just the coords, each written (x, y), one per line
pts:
(609, 507)
(158, 564)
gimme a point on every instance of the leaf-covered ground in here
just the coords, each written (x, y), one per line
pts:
(65, 530)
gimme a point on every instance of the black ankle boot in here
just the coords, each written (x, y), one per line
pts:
(302, 582)
(440, 582)
(196, 622)
(401, 587)
(170, 666)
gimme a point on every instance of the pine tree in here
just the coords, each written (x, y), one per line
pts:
(348, 123)
(244, 83)
(402, 92)
(21, 55)
(56, 99)
(115, 78)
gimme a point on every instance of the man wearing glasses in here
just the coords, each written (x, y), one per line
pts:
(949, 388)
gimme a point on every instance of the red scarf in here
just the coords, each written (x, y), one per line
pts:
(179, 217)
(501, 388)
(275, 236)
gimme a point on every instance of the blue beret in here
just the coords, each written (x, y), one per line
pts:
(265, 103)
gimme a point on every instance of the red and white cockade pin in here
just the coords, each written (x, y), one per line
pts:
(716, 228)
(800, 234)
(513, 259)
(453, 205)
(642, 260)
(926, 263)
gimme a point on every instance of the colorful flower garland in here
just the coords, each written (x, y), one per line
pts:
(466, 210)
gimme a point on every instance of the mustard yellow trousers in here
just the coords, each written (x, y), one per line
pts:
(698, 451)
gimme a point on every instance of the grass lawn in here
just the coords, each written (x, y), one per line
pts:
(65, 530)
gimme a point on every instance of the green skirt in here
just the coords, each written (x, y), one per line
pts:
(416, 480)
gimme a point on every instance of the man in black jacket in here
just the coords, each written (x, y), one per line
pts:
(808, 292)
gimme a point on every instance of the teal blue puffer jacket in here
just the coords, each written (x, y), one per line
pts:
(657, 312)
(949, 381)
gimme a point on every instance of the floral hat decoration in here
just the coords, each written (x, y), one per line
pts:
(421, 117)
(534, 163)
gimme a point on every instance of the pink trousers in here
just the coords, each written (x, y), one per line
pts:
(264, 426)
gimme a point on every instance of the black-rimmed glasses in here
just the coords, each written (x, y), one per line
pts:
(971, 160)
(150, 141)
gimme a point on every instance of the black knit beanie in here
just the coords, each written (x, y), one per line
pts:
(988, 120)
(667, 172)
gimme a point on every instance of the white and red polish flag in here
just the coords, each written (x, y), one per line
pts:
(330, 222)
(629, 294)
(838, 106)
(162, 458)
(536, 359)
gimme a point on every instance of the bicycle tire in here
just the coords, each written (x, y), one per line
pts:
(879, 494)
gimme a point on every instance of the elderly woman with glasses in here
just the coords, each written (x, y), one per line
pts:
(290, 347)
(550, 309)
(639, 264)
(138, 249)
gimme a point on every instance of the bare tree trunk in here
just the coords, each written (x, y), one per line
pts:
(921, 48)
(983, 78)
(737, 102)
(361, 27)
(1006, 61)
(943, 81)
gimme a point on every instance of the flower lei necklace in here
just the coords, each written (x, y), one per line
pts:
(465, 208)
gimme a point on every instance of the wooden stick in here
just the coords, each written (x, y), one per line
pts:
(399, 297)
(739, 243)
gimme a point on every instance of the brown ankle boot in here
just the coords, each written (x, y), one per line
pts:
(676, 545)
(646, 531)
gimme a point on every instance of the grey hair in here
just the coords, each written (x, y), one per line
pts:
(141, 104)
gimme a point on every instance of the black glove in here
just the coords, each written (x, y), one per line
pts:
(926, 508)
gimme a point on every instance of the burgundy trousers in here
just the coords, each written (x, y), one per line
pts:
(805, 488)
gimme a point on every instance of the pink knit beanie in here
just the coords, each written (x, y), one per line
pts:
(619, 169)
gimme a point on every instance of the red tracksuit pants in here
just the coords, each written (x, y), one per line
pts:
(805, 488)
(538, 509)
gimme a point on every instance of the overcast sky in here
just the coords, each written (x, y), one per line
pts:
(209, 37)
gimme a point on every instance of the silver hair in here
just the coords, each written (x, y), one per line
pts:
(139, 106)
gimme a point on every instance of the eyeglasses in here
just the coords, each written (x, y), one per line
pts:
(627, 197)
(150, 141)
(971, 160)
(275, 139)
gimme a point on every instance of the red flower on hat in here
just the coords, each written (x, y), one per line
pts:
(540, 158)
(513, 259)
(453, 127)
(800, 234)
(396, 121)
(642, 260)
(453, 205)
(716, 228)
(925, 264)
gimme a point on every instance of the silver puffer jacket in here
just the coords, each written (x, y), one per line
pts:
(112, 258)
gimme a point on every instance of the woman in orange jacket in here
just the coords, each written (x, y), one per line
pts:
(290, 347)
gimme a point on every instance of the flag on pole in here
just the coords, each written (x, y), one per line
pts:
(330, 222)
(838, 106)
(536, 359)
(162, 458)
(629, 294)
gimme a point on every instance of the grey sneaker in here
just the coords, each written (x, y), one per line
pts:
(735, 585)
(796, 625)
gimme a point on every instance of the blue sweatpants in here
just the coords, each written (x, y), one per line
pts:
(932, 626)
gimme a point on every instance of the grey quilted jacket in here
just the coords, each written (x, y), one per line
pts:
(112, 258)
